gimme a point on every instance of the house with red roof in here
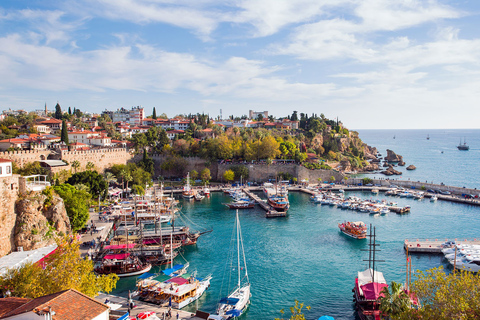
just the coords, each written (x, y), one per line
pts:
(55, 125)
(5, 168)
(64, 305)
(14, 143)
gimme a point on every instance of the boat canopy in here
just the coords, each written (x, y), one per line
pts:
(366, 276)
(177, 280)
(359, 223)
(372, 291)
(118, 256)
(171, 270)
(234, 313)
(145, 276)
(232, 301)
(119, 246)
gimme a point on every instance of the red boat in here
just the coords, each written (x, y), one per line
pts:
(278, 202)
(356, 230)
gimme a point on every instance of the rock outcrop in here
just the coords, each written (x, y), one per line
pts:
(393, 157)
(371, 167)
(390, 171)
(38, 219)
(411, 167)
(401, 163)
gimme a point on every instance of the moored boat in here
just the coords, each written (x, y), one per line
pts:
(241, 205)
(357, 230)
(187, 192)
(122, 264)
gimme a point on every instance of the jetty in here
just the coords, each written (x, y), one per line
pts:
(270, 212)
(433, 246)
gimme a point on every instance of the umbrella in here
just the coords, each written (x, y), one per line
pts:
(145, 315)
(326, 318)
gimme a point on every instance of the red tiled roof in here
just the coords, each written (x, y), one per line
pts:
(67, 305)
(51, 121)
(82, 132)
(5, 160)
(11, 303)
(14, 140)
(207, 130)
(77, 144)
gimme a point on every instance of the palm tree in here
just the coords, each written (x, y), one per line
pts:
(109, 178)
(75, 165)
(90, 165)
(395, 300)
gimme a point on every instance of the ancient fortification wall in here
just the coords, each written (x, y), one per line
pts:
(9, 190)
(264, 172)
(102, 159)
(23, 157)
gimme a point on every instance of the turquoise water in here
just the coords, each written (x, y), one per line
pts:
(452, 167)
(305, 257)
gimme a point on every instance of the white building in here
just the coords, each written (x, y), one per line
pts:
(254, 114)
(5, 168)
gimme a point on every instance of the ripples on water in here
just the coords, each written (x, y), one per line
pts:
(305, 257)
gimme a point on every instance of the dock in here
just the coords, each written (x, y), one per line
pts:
(270, 212)
(432, 245)
(119, 307)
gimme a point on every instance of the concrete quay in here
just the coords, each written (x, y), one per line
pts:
(270, 212)
(119, 306)
(433, 245)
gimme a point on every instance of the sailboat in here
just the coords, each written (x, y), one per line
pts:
(428, 137)
(237, 302)
(463, 146)
(187, 192)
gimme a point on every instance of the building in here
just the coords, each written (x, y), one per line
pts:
(14, 143)
(82, 136)
(63, 305)
(254, 114)
(55, 125)
(5, 168)
(137, 114)
(133, 117)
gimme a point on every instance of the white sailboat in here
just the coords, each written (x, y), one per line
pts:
(238, 300)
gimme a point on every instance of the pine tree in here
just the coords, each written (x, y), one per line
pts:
(64, 133)
(58, 112)
(154, 116)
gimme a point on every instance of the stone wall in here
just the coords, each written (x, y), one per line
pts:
(23, 157)
(102, 158)
(9, 189)
(263, 172)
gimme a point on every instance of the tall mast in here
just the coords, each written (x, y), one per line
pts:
(238, 248)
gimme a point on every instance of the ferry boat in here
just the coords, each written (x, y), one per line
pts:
(187, 192)
(357, 230)
(368, 287)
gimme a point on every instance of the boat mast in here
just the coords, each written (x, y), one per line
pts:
(243, 252)
(238, 248)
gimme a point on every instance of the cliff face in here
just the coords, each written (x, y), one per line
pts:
(38, 219)
(9, 194)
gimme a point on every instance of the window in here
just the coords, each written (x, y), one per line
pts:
(9, 169)
(0, 170)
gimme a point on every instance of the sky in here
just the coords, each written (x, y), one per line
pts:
(374, 64)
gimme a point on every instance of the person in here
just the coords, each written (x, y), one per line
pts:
(106, 301)
(178, 315)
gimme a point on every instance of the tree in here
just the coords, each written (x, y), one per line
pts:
(147, 163)
(109, 178)
(93, 180)
(270, 148)
(138, 190)
(64, 269)
(240, 172)
(58, 112)
(75, 165)
(194, 175)
(154, 115)
(296, 311)
(76, 202)
(229, 175)
(205, 175)
(64, 133)
(442, 296)
(394, 301)
(90, 165)
(69, 110)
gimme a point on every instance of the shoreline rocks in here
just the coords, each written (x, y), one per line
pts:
(393, 157)
(411, 167)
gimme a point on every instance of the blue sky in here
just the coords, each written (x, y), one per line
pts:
(372, 63)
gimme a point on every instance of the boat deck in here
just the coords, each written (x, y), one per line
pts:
(432, 245)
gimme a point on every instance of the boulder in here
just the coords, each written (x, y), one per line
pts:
(401, 163)
(371, 167)
(411, 167)
(390, 171)
(393, 157)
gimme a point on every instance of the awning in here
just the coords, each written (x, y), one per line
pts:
(119, 256)
(371, 291)
(177, 280)
(232, 301)
(171, 270)
(145, 275)
(119, 246)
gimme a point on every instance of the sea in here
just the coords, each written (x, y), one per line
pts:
(304, 257)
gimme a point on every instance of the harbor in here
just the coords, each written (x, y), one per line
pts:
(433, 246)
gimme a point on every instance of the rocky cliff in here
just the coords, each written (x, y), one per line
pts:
(38, 219)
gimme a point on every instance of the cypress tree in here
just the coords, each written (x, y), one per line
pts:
(69, 110)
(154, 116)
(58, 112)
(64, 133)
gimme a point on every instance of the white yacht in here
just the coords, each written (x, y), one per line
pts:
(468, 263)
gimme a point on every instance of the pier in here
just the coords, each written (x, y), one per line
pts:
(433, 245)
(270, 212)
